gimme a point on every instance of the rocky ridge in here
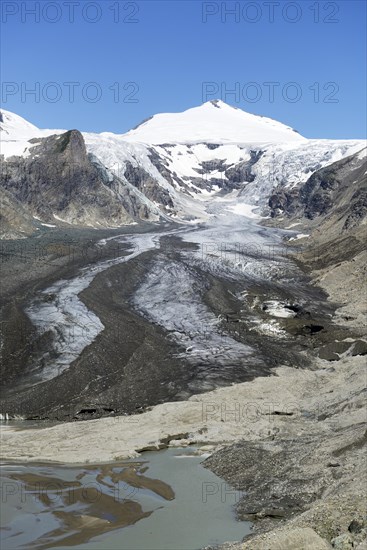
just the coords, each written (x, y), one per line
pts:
(59, 182)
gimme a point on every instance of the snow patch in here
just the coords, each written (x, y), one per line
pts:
(277, 309)
(293, 225)
(243, 209)
(299, 236)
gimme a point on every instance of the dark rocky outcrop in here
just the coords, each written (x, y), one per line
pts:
(161, 165)
(358, 209)
(242, 172)
(217, 165)
(15, 221)
(340, 189)
(143, 181)
(59, 178)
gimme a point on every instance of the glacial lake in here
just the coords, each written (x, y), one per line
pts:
(164, 500)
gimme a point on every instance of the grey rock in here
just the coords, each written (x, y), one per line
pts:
(242, 172)
(340, 187)
(138, 177)
(333, 350)
(359, 348)
(343, 542)
(356, 526)
(60, 178)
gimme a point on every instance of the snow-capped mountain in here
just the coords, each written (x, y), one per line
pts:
(173, 166)
(15, 133)
(212, 122)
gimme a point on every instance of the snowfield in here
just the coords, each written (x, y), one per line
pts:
(214, 121)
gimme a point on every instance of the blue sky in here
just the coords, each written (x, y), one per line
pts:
(302, 63)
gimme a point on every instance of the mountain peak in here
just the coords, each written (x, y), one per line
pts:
(212, 121)
(15, 133)
(220, 104)
(10, 123)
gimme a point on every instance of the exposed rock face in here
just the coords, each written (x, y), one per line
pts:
(138, 177)
(243, 171)
(218, 165)
(340, 188)
(358, 209)
(233, 176)
(161, 165)
(61, 181)
(319, 191)
(15, 222)
(282, 200)
(216, 174)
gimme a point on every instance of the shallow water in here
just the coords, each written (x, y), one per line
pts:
(164, 501)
